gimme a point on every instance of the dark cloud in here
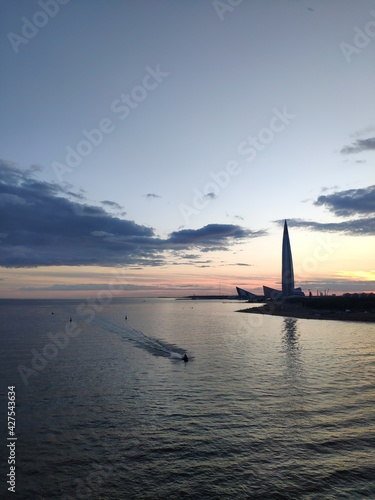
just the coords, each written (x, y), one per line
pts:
(357, 227)
(212, 235)
(349, 203)
(210, 196)
(359, 146)
(236, 264)
(41, 226)
(151, 196)
(356, 204)
(195, 260)
(190, 256)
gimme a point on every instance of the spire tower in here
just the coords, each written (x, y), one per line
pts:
(287, 274)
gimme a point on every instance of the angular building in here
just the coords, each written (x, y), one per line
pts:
(251, 297)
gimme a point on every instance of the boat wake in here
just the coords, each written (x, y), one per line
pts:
(141, 340)
(151, 344)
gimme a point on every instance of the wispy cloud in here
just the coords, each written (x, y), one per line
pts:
(44, 227)
(363, 131)
(35, 168)
(112, 204)
(126, 287)
(89, 287)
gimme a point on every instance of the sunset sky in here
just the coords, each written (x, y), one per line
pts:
(156, 146)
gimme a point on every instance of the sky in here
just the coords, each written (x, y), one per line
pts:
(155, 147)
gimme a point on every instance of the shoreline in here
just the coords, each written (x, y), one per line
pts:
(299, 312)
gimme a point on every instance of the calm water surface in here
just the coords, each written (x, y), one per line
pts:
(266, 407)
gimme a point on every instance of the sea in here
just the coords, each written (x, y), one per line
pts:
(265, 407)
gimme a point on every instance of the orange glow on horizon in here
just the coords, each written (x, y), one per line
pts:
(362, 275)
